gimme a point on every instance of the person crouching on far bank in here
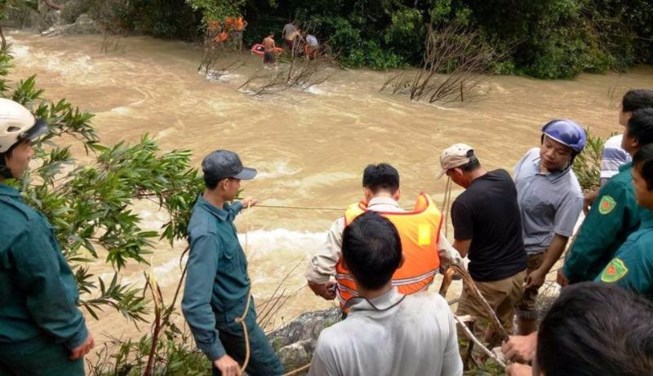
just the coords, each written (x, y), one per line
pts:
(385, 333)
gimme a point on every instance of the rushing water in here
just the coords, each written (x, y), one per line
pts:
(310, 147)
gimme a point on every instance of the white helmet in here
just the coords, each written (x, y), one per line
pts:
(18, 124)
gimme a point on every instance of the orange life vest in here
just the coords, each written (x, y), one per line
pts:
(419, 231)
(220, 38)
(229, 23)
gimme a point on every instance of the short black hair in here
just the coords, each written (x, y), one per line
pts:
(381, 177)
(643, 162)
(4, 169)
(594, 329)
(371, 249)
(211, 181)
(636, 99)
(640, 126)
(473, 163)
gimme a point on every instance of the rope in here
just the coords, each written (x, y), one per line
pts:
(298, 370)
(241, 320)
(298, 207)
(445, 205)
(478, 343)
(479, 297)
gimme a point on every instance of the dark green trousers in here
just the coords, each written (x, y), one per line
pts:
(38, 357)
(262, 359)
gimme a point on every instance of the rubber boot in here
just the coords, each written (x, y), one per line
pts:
(526, 326)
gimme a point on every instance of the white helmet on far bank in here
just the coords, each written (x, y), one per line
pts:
(18, 124)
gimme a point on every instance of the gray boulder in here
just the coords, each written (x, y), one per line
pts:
(295, 341)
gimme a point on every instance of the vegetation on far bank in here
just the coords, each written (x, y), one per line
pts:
(543, 39)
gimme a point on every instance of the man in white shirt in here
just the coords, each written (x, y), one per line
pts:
(385, 333)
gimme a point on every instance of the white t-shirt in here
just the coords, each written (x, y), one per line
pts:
(311, 40)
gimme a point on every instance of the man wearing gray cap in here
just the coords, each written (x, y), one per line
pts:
(217, 288)
(487, 227)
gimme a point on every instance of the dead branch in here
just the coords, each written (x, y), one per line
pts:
(299, 73)
(52, 5)
(217, 58)
(476, 341)
(452, 66)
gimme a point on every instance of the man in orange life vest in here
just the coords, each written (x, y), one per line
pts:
(421, 239)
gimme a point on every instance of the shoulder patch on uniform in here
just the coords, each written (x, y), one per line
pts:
(615, 270)
(607, 204)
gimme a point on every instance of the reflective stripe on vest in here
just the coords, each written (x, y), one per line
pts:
(419, 231)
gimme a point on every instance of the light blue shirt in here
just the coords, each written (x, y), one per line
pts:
(392, 335)
(550, 203)
(311, 40)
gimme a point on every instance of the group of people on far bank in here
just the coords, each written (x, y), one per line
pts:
(296, 41)
(379, 259)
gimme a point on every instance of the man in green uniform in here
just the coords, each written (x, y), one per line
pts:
(42, 332)
(632, 265)
(217, 288)
(615, 214)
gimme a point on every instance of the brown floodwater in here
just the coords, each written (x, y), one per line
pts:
(309, 146)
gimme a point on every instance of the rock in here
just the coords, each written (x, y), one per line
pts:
(297, 355)
(295, 342)
(73, 9)
(83, 25)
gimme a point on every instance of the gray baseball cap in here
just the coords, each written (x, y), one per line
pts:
(454, 156)
(222, 164)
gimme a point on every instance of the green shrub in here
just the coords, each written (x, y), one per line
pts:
(587, 165)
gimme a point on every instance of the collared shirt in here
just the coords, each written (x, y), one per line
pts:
(38, 291)
(413, 336)
(632, 265)
(613, 158)
(550, 203)
(217, 284)
(613, 217)
(322, 264)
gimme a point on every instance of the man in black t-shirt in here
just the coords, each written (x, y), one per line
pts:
(487, 228)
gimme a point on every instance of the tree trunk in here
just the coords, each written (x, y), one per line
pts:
(4, 41)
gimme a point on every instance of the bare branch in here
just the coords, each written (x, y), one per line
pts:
(453, 62)
(52, 5)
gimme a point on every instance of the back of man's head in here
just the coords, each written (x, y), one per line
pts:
(640, 126)
(636, 99)
(371, 249)
(596, 329)
(381, 177)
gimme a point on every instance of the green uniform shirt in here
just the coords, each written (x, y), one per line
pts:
(217, 285)
(38, 292)
(632, 266)
(614, 215)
